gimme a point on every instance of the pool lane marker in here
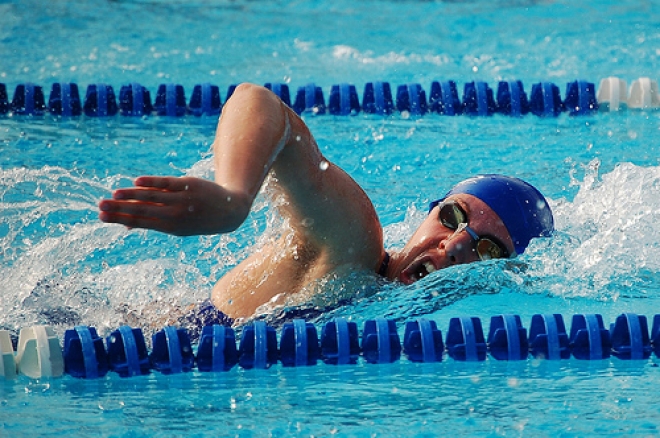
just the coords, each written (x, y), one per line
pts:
(545, 99)
(39, 354)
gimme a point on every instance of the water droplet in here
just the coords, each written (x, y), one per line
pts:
(323, 165)
(191, 208)
(228, 198)
(186, 187)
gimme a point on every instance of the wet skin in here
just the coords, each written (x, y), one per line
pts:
(433, 246)
(334, 225)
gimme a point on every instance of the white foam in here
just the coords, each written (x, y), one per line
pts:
(608, 236)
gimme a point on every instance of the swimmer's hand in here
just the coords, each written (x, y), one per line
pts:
(184, 206)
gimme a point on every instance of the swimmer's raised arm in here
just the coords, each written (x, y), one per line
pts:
(252, 131)
(256, 133)
(332, 222)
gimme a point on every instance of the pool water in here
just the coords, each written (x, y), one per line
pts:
(60, 265)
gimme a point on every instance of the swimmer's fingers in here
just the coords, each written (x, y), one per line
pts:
(150, 195)
(181, 206)
(164, 182)
(135, 214)
(160, 190)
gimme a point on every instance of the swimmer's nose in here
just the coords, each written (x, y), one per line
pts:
(459, 248)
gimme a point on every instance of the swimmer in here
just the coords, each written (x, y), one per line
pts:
(334, 223)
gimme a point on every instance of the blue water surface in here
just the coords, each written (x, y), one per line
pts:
(61, 266)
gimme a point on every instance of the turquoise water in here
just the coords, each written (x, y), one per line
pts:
(601, 173)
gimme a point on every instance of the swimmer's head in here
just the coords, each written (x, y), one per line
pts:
(521, 207)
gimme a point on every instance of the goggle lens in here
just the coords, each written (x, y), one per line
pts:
(451, 215)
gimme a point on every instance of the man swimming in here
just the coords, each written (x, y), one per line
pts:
(334, 224)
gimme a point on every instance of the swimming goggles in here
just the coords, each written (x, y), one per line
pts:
(452, 216)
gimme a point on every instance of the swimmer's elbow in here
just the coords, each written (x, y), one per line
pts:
(247, 91)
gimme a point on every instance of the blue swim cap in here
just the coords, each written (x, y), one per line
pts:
(523, 209)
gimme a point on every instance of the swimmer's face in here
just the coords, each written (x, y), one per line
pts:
(436, 246)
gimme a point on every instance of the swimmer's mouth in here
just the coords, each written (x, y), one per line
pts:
(417, 270)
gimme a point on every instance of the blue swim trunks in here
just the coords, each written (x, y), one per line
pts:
(203, 314)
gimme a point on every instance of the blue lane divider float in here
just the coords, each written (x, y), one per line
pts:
(630, 337)
(444, 100)
(127, 352)
(343, 100)
(64, 100)
(507, 338)
(589, 339)
(548, 338)
(135, 100)
(84, 353)
(28, 100)
(422, 341)
(546, 100)
(205, 100)
(511, 99)
(217, 349)
(340, 343)
(377, 98)
(310, 100)
(478, 99)
(580, 98)
(172, 352)
(465, 339)
(100, 101)
(170, 100)
(258, 348)
(39, 354)
(411, 98)
(380, 341)
(299, 344)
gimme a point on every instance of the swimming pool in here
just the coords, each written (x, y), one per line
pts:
(59, 264)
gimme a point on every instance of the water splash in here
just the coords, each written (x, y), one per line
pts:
(63, 267)
(608, 237)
